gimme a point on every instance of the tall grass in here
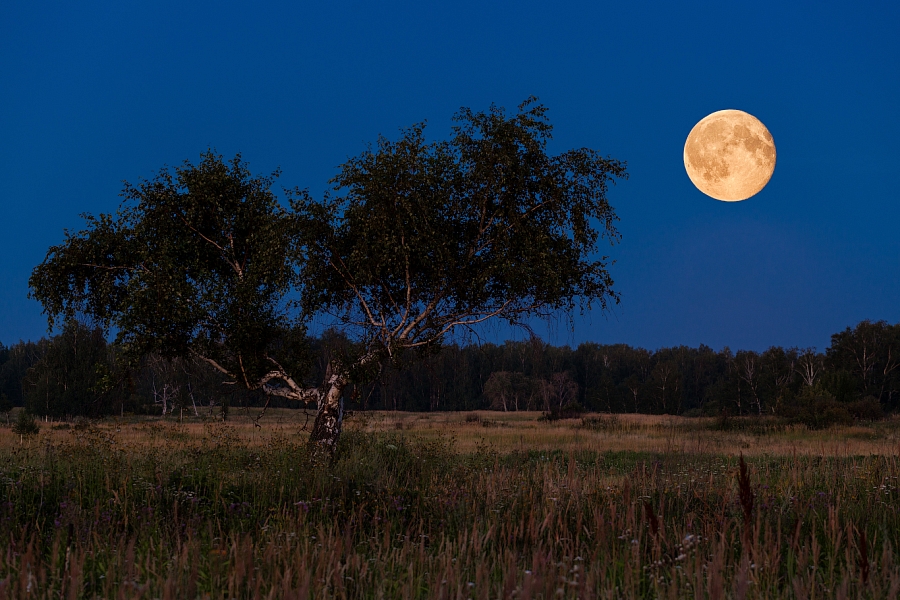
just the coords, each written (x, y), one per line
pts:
(394, 516)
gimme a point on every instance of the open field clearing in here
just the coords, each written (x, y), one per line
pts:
(523, 431)
(450, 505)
(505, 432)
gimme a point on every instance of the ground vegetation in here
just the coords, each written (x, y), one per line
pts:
(153, 509)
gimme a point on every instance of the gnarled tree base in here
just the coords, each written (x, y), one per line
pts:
(330, 419)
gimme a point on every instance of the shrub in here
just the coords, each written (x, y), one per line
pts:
(569, 411)
(832, 413)
(817, 410)
(25, 424)
(866, 409)
(572, 409)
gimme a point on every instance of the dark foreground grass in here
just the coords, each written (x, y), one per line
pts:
(393, 517)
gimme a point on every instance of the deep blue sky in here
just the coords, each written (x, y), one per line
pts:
(94, 93)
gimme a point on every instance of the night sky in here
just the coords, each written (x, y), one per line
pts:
(94, 93)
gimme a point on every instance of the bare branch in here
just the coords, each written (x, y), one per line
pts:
(232, 263)
(195, 230)
(214, 365)
(355, 291)
(464, 323)
(292, 391)
(244, 372)
(422, 316)
(112, 268)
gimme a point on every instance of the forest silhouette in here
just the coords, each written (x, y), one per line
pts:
(78, 373)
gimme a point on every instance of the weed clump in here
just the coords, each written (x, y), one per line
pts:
(602, 423)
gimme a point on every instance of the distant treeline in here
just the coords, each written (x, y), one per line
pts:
(858, 376)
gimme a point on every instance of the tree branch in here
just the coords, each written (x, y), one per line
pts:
(355, 291)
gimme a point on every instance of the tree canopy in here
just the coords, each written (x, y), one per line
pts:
(198, 261)
(428, 237)
(417, 241)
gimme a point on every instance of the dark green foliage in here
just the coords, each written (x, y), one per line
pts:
(619, 378)
(25, 424)
(841, 384)
(73, 377)
(509, 390)
(197, 261)
(424, 238)
(485, 376)
(870, 356)
(15, 361)
(421, 241)
(866, 409)
(817, 409)
(569, 410)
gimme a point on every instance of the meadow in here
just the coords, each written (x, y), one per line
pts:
(450, 505)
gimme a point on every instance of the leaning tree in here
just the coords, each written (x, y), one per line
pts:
(419, 241)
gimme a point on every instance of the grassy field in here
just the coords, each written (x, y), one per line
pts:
(450, 505)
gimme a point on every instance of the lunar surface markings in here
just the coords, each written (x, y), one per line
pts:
(729, 155)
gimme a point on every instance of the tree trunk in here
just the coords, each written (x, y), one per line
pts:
(193, 403)
(330, 418)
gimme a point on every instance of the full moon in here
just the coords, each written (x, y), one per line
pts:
(729, 155)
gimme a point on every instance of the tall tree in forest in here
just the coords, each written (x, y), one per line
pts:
(870, 352)
(747, 367)
(73, 376)
(665, 379)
